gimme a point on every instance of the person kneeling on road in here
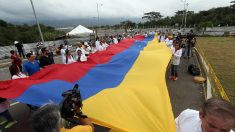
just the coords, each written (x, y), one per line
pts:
(48, 119)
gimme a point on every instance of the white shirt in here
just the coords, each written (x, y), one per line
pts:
(69, 61)
(62, 52)
(145, 35)
(88, 49)
(98, 46)
(176, 56)
(82, 50)
(189, 121)
(68, 47)
(105, 45)
(93, 49)
(20, 75)
(115, 41)
(82, 58)
(161, 38)
(169, 42)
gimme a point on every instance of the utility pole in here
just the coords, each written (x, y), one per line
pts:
(39, 29)
(183, 17)
(185, 20)
(98, 15)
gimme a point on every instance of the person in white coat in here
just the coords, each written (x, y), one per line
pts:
(62, 52)
(115, 40)
(104, 44)
(68, 58)
(215, 116)
(175, 61)
(161, 37)
(169, 41)
(80, 57)
(98, 45)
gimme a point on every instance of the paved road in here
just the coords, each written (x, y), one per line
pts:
(184, 94)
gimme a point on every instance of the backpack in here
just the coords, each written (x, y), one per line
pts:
(193, 70)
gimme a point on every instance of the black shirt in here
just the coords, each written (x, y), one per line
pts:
(19, 46)
(45, 61)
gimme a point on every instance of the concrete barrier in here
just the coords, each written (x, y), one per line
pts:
(213, 86)
(5, 50)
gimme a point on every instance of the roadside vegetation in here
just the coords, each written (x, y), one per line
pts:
(219, 51)
(221, 16)
(25, 33)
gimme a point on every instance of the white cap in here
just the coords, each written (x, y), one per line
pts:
(85, 43)
(16, 42)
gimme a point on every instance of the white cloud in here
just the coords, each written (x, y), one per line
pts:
(73, 9)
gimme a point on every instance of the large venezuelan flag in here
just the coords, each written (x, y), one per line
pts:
(123, 88)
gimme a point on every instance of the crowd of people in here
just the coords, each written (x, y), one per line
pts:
(215, 115)
(180, 46)
(43, 57)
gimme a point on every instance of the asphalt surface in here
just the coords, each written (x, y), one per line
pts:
(184, 93)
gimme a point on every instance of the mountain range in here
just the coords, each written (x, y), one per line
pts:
(82, 21)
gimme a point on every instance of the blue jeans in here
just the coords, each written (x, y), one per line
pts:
(174, 70)
(188, 50)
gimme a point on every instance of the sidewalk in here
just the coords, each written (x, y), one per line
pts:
(5, 63)
(184, 93)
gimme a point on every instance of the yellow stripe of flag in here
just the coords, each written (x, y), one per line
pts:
(141, 102)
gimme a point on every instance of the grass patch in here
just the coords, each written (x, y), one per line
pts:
(220, 52)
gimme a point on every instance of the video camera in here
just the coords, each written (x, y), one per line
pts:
(72, 104)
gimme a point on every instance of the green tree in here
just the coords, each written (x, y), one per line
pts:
(233, 4)
(152, 16)
(127, 24)
(25, 33)
(206, 24)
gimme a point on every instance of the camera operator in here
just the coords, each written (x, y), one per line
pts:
(48, 119)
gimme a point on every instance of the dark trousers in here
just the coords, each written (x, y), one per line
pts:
(6, 114)
(21, 53)
(188, 49)
(174, 70)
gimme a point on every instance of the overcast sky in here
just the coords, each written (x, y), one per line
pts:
(21, 10)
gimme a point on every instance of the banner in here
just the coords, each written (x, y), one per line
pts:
(123, 88)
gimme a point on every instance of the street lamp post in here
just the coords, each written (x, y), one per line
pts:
(39, 29)
(98, 14)
(183, 17)
(185, 20)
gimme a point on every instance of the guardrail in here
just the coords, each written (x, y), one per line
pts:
(5, 50)
(213, 87)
